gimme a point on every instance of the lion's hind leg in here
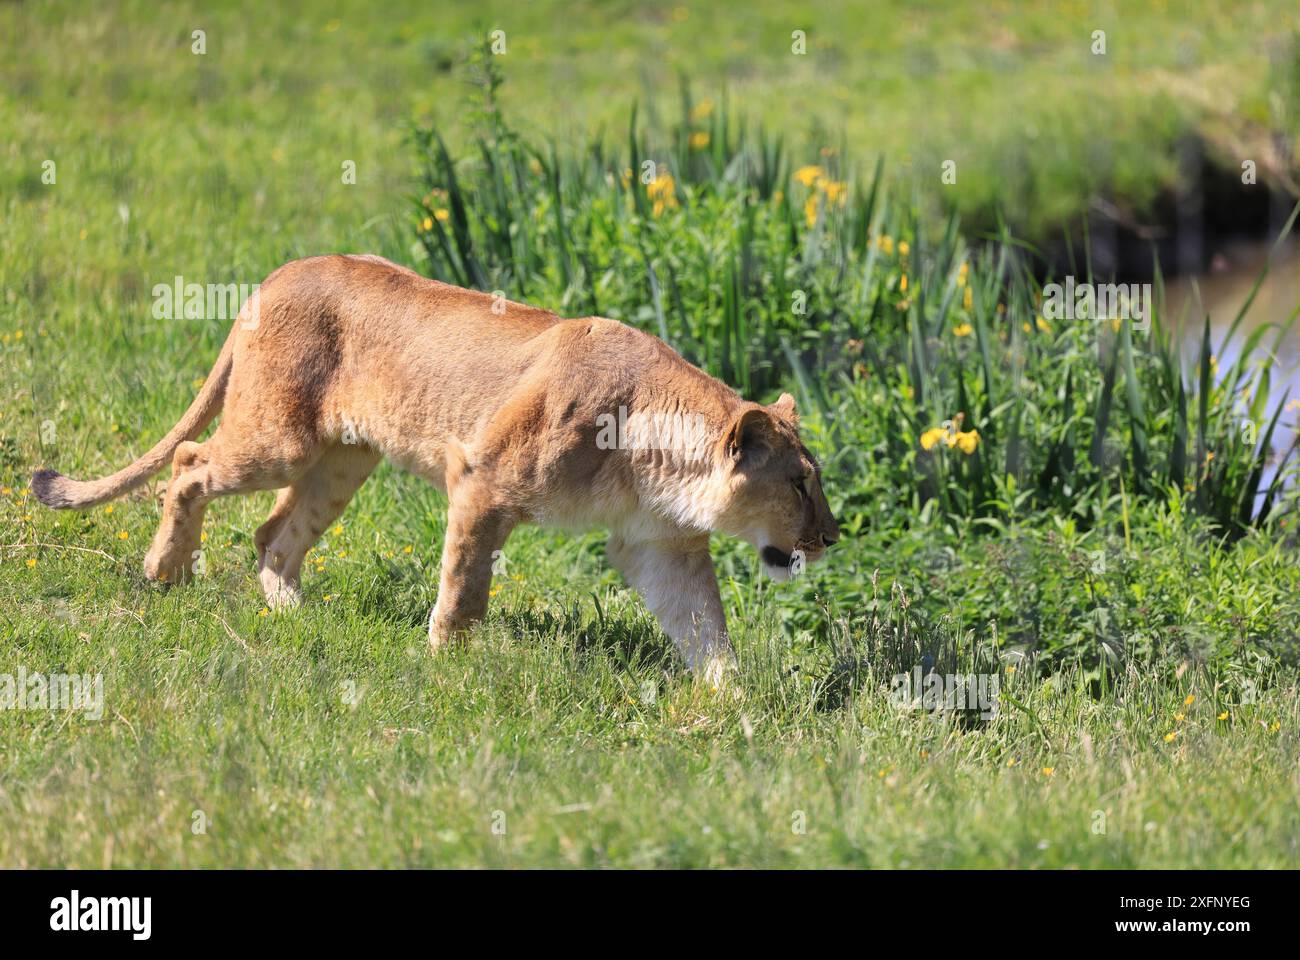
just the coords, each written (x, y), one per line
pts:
(301, 514)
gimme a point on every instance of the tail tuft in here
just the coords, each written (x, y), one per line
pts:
(50, 488)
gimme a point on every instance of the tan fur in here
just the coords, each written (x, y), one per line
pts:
(353, 358)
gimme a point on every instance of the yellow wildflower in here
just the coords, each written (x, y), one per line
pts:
(699, 139)
(836, 191)
(810, 210)
(809, 175)
(903, 248)
(968, 441)
(931, 437)
(963, 329)
(663, 191)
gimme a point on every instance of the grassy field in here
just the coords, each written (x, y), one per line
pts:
(1144, 639)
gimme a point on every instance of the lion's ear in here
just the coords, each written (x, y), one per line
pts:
(751, 435)
(784, 408)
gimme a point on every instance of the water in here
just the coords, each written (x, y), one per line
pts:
(1221, 291)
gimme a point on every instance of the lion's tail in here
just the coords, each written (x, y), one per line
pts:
(63, 493)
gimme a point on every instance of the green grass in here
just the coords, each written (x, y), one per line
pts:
(328, 735)
(588, 754)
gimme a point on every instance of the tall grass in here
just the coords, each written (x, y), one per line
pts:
(932, 379)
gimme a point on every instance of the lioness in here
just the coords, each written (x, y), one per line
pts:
(519, 415)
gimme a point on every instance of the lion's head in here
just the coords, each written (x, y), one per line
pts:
(776, 502)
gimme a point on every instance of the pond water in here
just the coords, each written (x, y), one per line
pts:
(1221, 291)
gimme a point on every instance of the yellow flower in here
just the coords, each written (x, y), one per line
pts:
(1224, 715)
(1011, 668)
(1012, 762)
(31, 562)
(1171, 736)
(809, 175)
(264, 612)
(699, 139)
(661, 187)
(1049, 771)
(1191, 698)
(427, 225)
(810, 210)
(442, 214)
(836, 191)
(407, 549)
(122, 534)
(963, 329)
(968, 441)
(962, 271)
(903, 248)
(1178, 717)
(931, 437)
(701, 110)
(337, 530)
(1043, 325)
(902, 283)
(887, 243)
(1026, 327)
(108, 509)
(663, 191)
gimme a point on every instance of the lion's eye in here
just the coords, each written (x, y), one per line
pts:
(798, 488)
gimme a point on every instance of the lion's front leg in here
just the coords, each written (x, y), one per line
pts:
(475, 533)
(677, 582)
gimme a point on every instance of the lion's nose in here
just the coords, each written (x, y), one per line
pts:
(829, 538)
